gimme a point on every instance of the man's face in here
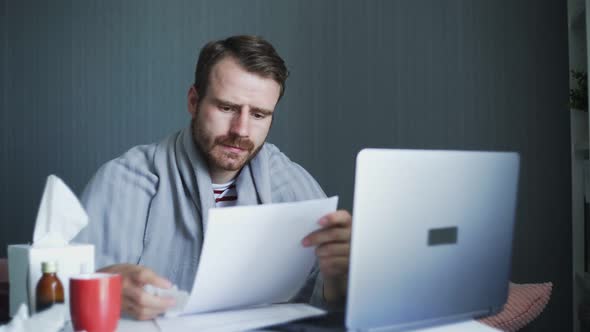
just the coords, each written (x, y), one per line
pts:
(231, 122)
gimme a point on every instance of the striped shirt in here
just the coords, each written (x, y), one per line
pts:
(225, 194)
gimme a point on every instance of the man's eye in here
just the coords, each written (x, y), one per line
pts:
(225, 108)
(258, 116)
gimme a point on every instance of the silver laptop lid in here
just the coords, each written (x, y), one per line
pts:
(431, 236)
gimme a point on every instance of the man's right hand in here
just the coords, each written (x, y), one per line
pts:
(135, 301)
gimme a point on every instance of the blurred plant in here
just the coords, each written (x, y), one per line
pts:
(579, 94)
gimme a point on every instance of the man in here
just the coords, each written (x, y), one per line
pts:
(148, 208)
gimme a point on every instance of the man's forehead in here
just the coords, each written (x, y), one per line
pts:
(230, 81)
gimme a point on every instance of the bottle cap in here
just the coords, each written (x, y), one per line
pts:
(49, 267)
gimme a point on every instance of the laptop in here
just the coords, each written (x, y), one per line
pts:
(431, 237)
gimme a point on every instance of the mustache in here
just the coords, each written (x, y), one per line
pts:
(237, 141)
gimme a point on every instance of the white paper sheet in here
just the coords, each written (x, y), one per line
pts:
(466, 326)
(239, 320)
(253, 255)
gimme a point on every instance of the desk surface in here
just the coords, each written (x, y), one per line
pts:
(333, 322)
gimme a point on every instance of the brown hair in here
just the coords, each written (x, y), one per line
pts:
(254, 53)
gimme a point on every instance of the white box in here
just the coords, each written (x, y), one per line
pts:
(24, 269)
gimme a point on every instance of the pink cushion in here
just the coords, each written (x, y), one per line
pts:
(525, 302)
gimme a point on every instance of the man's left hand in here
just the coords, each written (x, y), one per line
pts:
(333, 252)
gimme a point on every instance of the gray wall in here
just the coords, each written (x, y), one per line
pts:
(85, 80)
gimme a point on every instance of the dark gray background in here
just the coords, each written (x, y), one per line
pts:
(83, 81)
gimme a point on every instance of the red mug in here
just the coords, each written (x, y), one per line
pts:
(95, 302)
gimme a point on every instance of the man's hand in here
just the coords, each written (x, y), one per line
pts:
(134, 300)
(333, 252)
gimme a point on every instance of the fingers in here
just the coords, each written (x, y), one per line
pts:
(326, 235)
(333, 249)
(336, 226)
(333, 259)
(334, 266)
(337, 218)
(144, 276)
(138, 312)
(137, 274)
(142, 305)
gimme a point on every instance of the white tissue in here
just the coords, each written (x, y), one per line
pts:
(60, 217)
(180, 297)
(50, 320)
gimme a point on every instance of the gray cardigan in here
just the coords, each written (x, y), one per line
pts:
(149, 206)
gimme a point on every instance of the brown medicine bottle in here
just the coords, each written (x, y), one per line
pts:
(49, 288)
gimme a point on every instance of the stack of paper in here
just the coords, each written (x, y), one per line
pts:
(252, 256)
(239, 320)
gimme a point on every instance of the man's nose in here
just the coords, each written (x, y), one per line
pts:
(239, 124)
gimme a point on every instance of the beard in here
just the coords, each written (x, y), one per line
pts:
(216, 156)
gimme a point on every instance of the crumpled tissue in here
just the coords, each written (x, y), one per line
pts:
(50, 320)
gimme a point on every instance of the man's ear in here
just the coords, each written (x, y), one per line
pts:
(192, 101)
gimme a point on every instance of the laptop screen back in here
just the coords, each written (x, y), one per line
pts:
(432, 236)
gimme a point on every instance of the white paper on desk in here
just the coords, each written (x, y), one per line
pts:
(253, 254)
(239, 320)
(466, 326)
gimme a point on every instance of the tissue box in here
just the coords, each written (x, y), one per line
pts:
(24, 269)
